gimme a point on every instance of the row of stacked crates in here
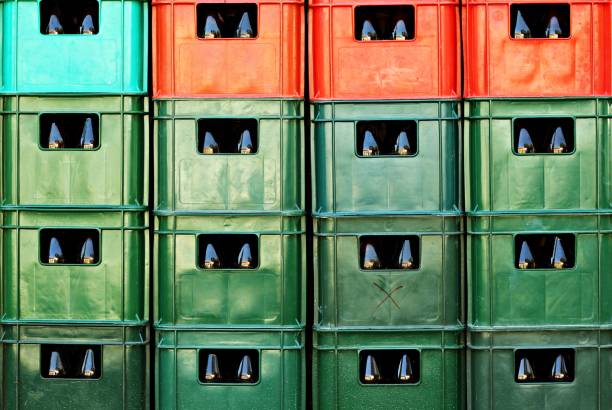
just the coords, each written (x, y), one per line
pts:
(387, 205)
(538, 200)
(73, 204)
(229, 265)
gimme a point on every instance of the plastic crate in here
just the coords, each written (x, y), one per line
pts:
(114, 60)
(492, 370)
(346, 182)
(111, 289)
(337, 381)
(344, 68)
(501, 179)
(109, 174)
(349, 296)
(498, 65)
(122, 364)
(278, 360)
(502, 295)
(271, 64)
(270, 294)
(270, 180)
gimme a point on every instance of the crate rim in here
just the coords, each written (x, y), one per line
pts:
(280, 333)
(317, 214)
(488, 343)
(142, 327)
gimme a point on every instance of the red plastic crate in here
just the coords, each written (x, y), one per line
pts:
(343, 68)
(270, 65)
(497, 65)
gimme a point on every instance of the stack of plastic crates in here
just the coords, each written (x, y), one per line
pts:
(73, 201)
(386, 109)
(229, 204)
(538, 82)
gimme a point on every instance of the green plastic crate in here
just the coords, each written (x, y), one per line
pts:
(113, 61)
(270, 295)
(111, 175)
(501, 180)
(271, 180)
(114, 290)
(502, 295)
(349, 296)
(281, 363)
(122, 384)
(491, 371)
(337, 384)
(347, 183)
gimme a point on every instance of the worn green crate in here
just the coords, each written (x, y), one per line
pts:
(124, 367)
(501, 295)
(345, 182)
(501, 180)
(112, 291)
(281, 383)
(271, 180)
(337, 384)
(271, 295)
(349, 296)
(491, 371)
(113, 61)
(112, 175)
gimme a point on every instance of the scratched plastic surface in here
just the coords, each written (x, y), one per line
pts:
(343, 68)
(337, 383)
(349, 296)
(497, 65)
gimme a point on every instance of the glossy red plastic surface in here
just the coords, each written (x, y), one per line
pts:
(269, 65)
(497, 65)
(343, 68)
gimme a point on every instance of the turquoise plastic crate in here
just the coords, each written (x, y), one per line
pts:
(113, 61)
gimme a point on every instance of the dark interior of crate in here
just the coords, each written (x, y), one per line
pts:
(70, 13)
(71, 242)
(229, 362)
(227, 15)
(384, 19)
(70, 127)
